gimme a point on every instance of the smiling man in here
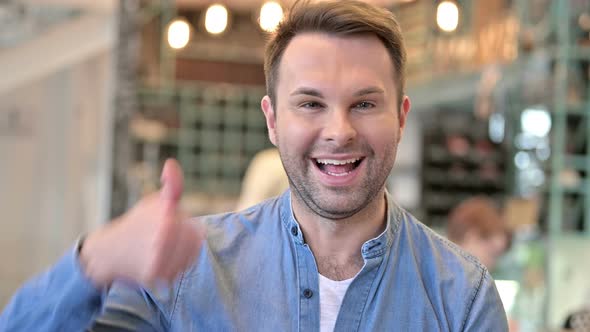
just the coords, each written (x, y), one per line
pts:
(337, 121)
(333, 253)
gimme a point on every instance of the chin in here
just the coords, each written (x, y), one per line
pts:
(341, 210)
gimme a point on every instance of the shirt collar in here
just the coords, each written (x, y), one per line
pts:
(370, 249)
(288, 218)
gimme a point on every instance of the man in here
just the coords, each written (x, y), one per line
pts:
(332, 253)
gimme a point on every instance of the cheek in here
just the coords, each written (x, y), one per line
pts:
(382, 135)
(499, 243)
(295, 133)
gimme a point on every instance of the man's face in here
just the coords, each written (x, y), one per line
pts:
(336, 124)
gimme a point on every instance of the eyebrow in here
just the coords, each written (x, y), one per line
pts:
(368, 91)
(316, 93)
(307, 91)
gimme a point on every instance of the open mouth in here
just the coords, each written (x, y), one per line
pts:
(335, 167)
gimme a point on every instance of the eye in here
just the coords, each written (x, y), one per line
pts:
(364, 105)
(311, 105)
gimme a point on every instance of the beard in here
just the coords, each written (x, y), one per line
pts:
(336, 203)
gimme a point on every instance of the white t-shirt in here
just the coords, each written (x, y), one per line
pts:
(331, 296)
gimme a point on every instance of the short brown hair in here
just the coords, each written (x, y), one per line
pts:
(339, 17)
(478, 213)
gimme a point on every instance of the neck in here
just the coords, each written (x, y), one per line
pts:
(336, 244)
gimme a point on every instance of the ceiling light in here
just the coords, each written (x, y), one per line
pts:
(216, 19)
(447, 16)
(178, 33)
(271, 14)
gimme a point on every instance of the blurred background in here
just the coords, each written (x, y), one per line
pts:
(95, 95)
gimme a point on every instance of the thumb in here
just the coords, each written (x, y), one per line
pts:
(172, 181)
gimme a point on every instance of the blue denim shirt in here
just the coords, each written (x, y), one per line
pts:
(256, 273)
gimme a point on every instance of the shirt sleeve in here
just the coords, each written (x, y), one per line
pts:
(61, 299)
(129, 307)
(487, 312)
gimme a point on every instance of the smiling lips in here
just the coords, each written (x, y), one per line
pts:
(336, 167)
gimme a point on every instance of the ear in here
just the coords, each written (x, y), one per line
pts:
(403, 114)
(271, 121)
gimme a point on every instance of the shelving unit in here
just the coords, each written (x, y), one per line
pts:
(569, 201)
(459, 162)
(213, 129)
(571, 133)
(565, 198)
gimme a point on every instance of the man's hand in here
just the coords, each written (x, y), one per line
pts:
(150, 243)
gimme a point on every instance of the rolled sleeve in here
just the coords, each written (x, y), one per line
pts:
(60, 299)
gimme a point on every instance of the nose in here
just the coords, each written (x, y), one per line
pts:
(339, 127)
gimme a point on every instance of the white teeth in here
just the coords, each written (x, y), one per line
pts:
(338, 174)
(337, 162)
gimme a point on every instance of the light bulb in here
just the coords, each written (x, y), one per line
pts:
(447, 16)
(178, 33)
(216, 19)
(271, 14)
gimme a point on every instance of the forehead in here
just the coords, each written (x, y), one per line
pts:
(337, 61)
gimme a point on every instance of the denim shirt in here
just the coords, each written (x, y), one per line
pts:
(256, 273)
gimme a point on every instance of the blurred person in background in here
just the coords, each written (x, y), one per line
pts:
(334, 252)
(477, 226)
(265, 178)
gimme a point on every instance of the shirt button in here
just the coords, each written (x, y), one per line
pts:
(294, 230)
(307, 293)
